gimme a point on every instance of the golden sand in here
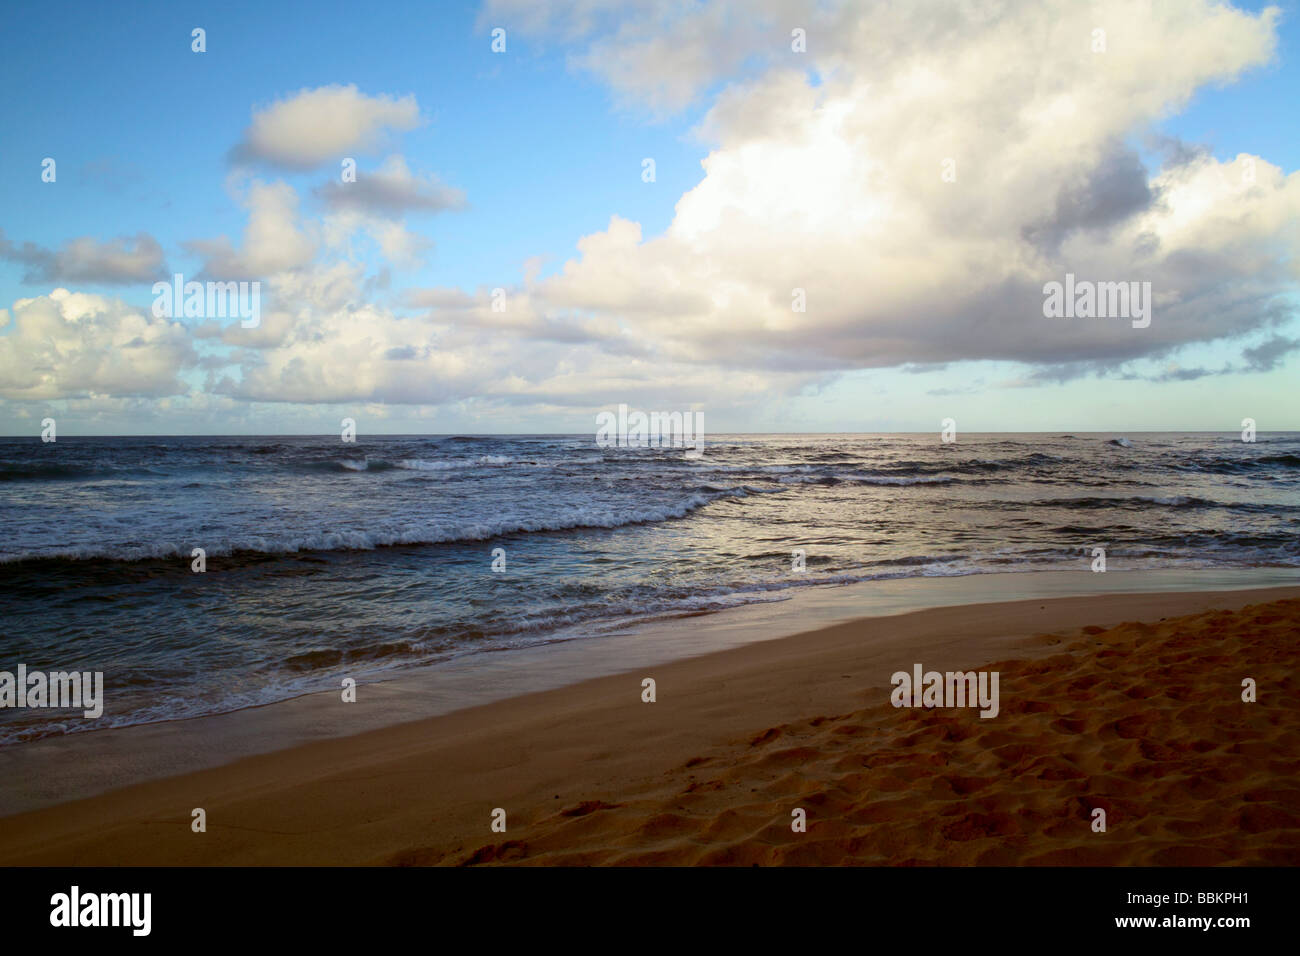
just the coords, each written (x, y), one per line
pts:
(1142, 720)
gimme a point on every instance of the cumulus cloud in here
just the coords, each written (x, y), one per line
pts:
(116, 261)
(828, 177)
(70, 345)
(391, 190)
(830, 182)
(662, 53)
(442, 297)
(274, 239)
(337, 348)
(824, 182)
(314, 126)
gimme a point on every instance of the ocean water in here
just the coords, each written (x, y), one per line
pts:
(328, 560)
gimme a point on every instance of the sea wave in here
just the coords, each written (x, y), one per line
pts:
(562, 519)
(1144, 501)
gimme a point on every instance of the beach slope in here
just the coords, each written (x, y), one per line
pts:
(1129, 704)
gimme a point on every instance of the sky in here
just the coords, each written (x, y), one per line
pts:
(790, 216)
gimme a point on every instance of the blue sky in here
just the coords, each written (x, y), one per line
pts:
(546, 142)
(537, 148)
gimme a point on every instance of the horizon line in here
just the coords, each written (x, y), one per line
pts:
(467, 434)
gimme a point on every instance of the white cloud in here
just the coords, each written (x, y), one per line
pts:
(444, 297)
(116, 261)
(314, 126)
(70, 345)
(391, 190)
(824, 175)
(831, 183)
(834, 186)
(274, 239)
(660, 53)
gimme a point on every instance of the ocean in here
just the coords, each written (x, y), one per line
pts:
(327, 560)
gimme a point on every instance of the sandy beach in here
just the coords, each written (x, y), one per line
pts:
(1129, 703)
(645, 435)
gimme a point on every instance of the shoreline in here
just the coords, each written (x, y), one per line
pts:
(61, 768)
(382, 792)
